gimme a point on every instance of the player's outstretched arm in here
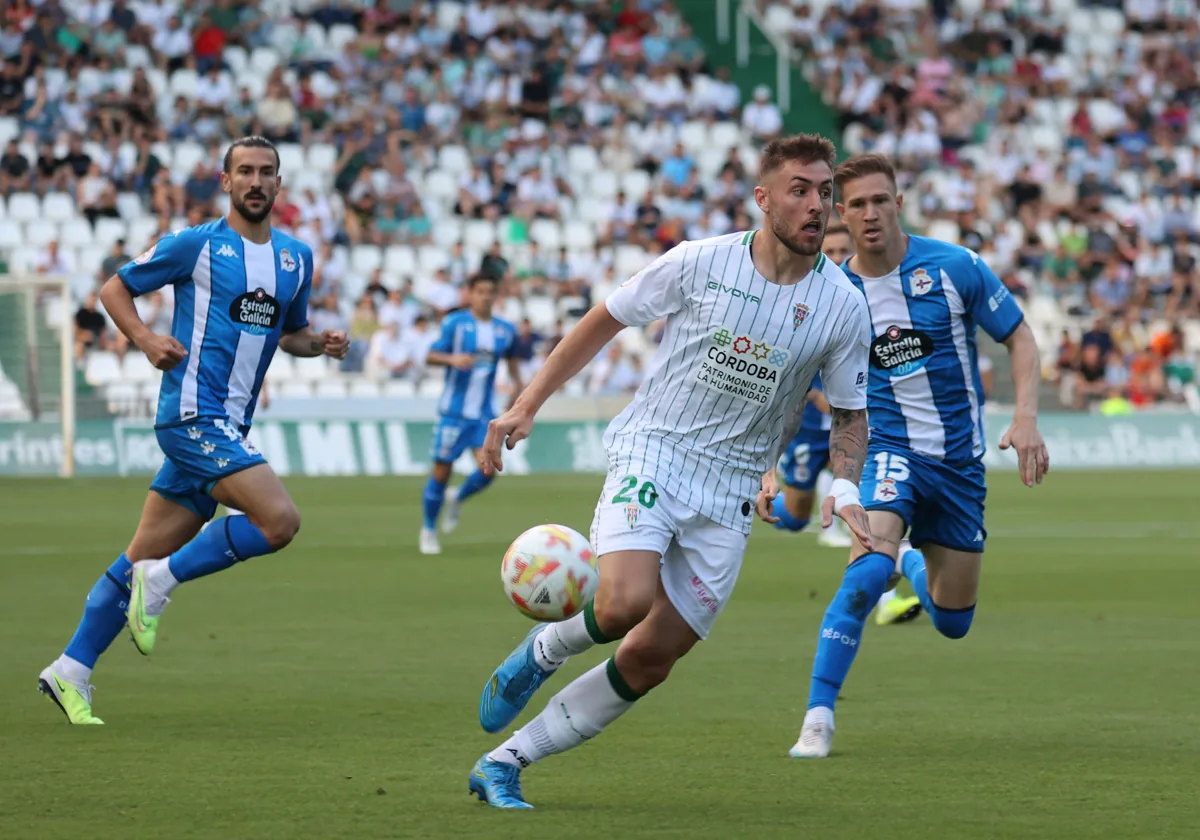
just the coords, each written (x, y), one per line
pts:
(847, 454)
(306, 343)
(579, 347)
(1032, 457)
(163, 351)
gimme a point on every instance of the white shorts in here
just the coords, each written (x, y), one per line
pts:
(700, 558)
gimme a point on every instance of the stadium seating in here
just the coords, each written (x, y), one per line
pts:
(584, 163)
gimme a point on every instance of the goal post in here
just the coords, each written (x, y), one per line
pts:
(37, 358)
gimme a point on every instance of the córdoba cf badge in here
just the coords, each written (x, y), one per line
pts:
(800, 314)
(631, 514)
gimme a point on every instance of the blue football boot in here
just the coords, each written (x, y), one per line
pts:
(496, 783)
(511, 685)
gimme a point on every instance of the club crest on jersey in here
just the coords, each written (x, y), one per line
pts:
(742, 365)
(800, 314)
(919, 283)
(286, 261)
(900, 351)
(632, 511)
(885, 490)
(255, 312)
(144, 257)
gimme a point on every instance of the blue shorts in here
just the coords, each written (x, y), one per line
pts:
(453, 436)
(941, 504)
(804, 459)
(199, 454)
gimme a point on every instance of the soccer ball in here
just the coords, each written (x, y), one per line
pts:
(549, 572)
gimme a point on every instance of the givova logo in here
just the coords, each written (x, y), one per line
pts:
(732, 291)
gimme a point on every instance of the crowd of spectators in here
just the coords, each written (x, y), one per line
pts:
(559, 144)
(1058, 138)
(521, 104)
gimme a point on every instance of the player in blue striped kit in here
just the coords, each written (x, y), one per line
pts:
(470, 347)
(924, 472)
(241, 291)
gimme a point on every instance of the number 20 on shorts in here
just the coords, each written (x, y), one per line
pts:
(647, 495)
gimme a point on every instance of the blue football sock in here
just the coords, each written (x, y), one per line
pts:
(953, 624)
(842, 627)
(786, 522)
(475, 482)
(435, 494)
(103, 615)
(218, 547)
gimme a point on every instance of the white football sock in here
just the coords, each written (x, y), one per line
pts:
(72, 670)
(560, 641)
(160, 583)
(824, 484)
(884, 598)
(576, 714)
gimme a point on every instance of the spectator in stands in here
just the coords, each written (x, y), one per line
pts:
(52, 260)
(16, 175)
(388, 356)
(95, 195)
(91, 328)
(116, 258)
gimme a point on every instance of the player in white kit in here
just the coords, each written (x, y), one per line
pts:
(751, 317)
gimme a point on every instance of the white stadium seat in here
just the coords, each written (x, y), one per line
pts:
(24, 207)
(399, 388)
(322, 157)
(312, 369)
(11, 234)
(58, 207)
(400, 260)
(331, 389)
(365, 258)
(363, 388)
(76, 233)
(295, 389)
(137, 368)
(102, 368)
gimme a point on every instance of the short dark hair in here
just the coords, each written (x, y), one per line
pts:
(253, 141)
(837, 227)
(860, 166)
(806, 148)
(476, 279)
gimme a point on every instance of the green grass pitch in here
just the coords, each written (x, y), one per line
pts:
(330, 691)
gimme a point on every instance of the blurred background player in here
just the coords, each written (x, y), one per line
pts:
(470, 347)
(241, 291)
(924, 472)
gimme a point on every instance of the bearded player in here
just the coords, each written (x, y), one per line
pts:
(924, 473)
(241, 291)
(751, 318)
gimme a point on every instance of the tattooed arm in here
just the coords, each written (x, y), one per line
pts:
(848, 443)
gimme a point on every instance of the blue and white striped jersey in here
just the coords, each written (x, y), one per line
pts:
(813, 419)
(923, 390)
(468, 393)
(233, 300)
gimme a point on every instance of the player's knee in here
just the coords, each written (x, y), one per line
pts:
(787, 521)
(953, 624)
(280, 526)
(644, 663)
(618, 609)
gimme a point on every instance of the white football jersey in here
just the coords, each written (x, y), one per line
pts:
(738, 351)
